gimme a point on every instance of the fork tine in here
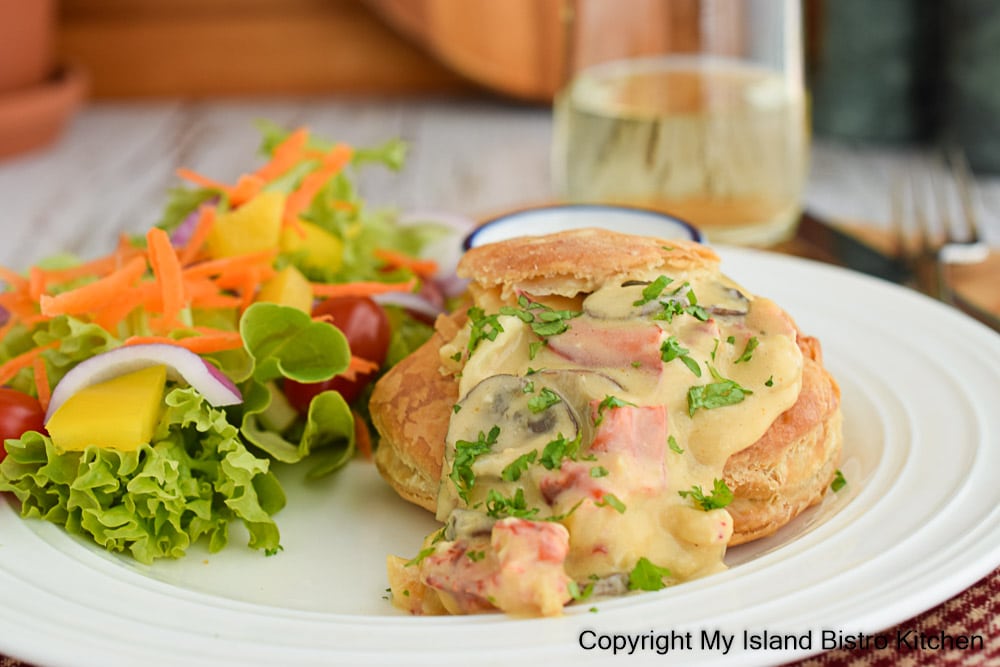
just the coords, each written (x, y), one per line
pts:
(967, 248)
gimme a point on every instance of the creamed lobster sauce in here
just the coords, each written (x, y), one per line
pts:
(585, 455)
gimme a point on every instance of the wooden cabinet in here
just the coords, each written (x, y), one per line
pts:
(206, 48)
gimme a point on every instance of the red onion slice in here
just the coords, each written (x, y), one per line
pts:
(182, 365)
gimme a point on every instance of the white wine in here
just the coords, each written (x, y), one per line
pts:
(719, 143)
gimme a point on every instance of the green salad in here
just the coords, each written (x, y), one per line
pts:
(147, 394)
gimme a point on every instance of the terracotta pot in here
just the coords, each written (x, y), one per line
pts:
(37, 97)
(26, 42)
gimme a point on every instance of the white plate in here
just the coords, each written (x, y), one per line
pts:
(918, 522)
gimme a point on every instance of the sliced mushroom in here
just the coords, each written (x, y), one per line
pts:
(524, 421)
(465, 524)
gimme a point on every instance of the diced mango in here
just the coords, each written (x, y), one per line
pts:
(120, 413)
(253, 227)
(314, 247)
(288, 288)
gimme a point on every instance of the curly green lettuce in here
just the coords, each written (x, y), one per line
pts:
(188, 484)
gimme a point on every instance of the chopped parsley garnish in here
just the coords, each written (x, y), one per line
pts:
(498, 506)
(598, 471)
(612, 501)
(475, 556)
(720, 497)
(671, 349)
(557, 450)
(560, 517)
(545, 399)
(456, 408)
(672, 303)
(716, 394)
(576, 593)
(715, 348)
(636, 364)
(609, 403)
(528, 387)
(421, 555)
(731, 340)
(513, 471)
(672, 443)
(542, 319)
(838, 482)
(457, 356)
(533, 348)
(646, 576)
(483, 326)
(769, 382)
(653, 290)
(466, 453)
(748, 350)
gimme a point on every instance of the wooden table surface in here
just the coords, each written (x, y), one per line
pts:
(110, 172)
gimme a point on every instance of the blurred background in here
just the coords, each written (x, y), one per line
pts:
(468, 82)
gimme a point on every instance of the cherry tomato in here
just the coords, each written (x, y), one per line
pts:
(367, 329)
(19, 413)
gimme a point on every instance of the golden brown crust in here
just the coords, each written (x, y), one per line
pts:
(773, 480)
(551, 264)
(410, 408)
(790, 467)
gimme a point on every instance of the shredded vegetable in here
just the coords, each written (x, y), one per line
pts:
(173, 285)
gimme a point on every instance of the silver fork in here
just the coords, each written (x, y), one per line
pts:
(928, 244)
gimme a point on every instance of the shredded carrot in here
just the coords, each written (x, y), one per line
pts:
(332, 163)
(111, 314)
(246, 188)
(361, 288)
(203, 181)
(93, 295)
(15, 280)
(217, 267)
(285, 155)
(166, 272)
(41, 381)
(358, 366)
(13, 366)
(362, 437)
(229, 340)
(97, 267)
(425, 268)
(202, 228)
(36, 283)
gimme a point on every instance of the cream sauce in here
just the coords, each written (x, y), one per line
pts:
(619, 496)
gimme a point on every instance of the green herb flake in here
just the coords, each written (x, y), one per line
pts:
(716, 394)
(457, 356)
(748, 351)
(513, 471)
(498, 506)
(533, 348)
(466, 453)
(577, 594)
(483, 326)
(838, 482)
(653, 290)
(421, 555)
(456, 408)
(612, 501)
(731, 340)
(609, 403)
(647, 576)
(671, 349)
(769, 382)
(557, 450)
(545, 399)
(672, 443)
(528, 388)
(598, 471)
(720, 497)
(475, 556)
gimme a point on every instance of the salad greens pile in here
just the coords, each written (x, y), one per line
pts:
(207, 466)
